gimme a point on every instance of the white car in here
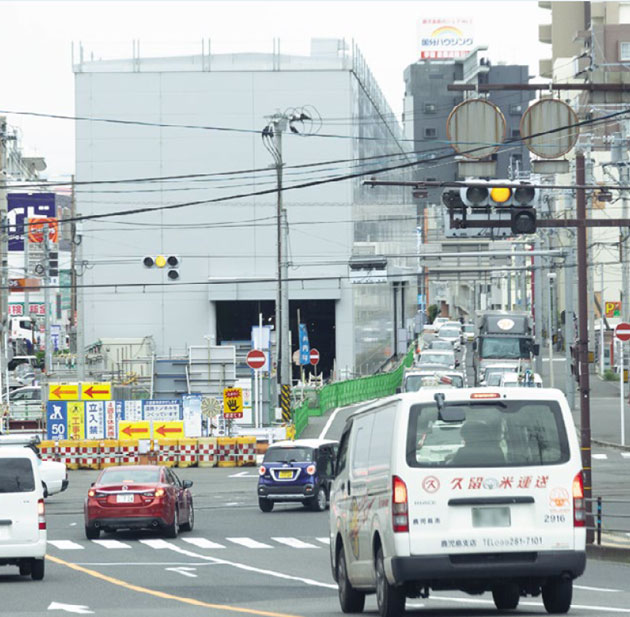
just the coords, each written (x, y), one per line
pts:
(468, 332)
(414, 379)
(493, 372)
(438, 322)
(452, 335)
(22, 521)
(26, 403)
(518, 380)
(433, 358)
(53, 473)
(464, 489)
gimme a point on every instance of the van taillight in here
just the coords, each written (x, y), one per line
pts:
(400, 510)
(579, 511)
(41, 511)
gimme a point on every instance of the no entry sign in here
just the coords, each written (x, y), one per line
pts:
(256, 359)
(314, 357)
(622, 331)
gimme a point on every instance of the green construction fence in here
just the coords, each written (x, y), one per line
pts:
(342, 393)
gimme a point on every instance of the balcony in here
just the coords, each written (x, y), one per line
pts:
(545, 68)
(544, 33)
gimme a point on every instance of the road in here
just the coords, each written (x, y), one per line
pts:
(237, 560)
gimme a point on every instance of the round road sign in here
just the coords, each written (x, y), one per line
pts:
(542, 132)
(474, 123)
(256, 359)
(314, 357)
(622, 331)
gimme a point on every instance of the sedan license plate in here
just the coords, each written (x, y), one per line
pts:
(491, 517)
(285, 474)
(124, 498)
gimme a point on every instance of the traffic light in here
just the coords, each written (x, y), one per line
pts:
(171, 262)
(521, 199)
(53, 264)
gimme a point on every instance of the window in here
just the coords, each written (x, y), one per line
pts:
(430, 133)
(16, 476)
(494, 434)
(430, 108)
(286, 455)
(515, 109)
(381, 440)
(624, 51)
(506, 347)
(362, 429)
(130, 476)
(342, 454)
(515, 133)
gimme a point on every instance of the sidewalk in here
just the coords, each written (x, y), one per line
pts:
(614, 547)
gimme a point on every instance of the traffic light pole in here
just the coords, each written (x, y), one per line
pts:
(47, 337)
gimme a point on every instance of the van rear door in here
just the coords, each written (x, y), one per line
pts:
(498, 481)
(18, 501)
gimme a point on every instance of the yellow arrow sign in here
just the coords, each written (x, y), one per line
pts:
(96, 391)
(134, 430)
(63, 391)
(168, 430)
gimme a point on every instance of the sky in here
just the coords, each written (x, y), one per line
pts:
(38, 37)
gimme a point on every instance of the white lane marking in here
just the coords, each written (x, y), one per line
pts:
(323, 540)
(157, 544)
(65, 545)
(232, 503)
(78, 609)
(248, 568)
(328, 424)
(625, 454)
(145, 563)
(600, 456)
(294, 543)
(243, 474)
(184, 571)
(111, 544)
(601, 609)
(202, 543)
(604, 589)
(248, 542)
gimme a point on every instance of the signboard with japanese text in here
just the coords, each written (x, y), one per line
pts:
(445, 37)
(23, 206)
(305, 348)
(232, 403)
(113, 415)
(161, 411)
(94, 420)
(16, 309)
(76, 420)
(191, 413)
(56, 420)
(132, 411)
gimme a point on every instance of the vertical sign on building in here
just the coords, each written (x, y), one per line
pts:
(76, 420)
(305, 348)
(94, 420)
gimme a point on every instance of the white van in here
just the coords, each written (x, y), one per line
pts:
(22, 520)
(471, 489)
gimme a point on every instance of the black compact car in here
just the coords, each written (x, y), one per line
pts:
(300, 470)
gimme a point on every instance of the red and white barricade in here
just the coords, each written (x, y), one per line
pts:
(246, 451)
(167, 452)
(207, 452)
(68, 452)
(89, 454)
(188, 454)
(48, 450)
(226, 451)
(109, 453)
(128, 449)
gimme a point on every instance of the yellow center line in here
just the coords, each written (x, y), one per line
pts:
(163, 595)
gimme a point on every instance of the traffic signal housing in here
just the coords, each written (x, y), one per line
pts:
(53, 264)
(171, 262)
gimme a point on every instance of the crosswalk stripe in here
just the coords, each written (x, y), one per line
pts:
(600, 456)
(625, 454)
(202, 543)
(65, 545)
(111, 544)
(294, 543)
(248, 542)
(323, 540)
(157, 544)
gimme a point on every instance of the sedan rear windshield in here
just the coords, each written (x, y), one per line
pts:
(16, 475)
(494, 434)
(131, 476)
(287, 455)
(450, 332)
(413, 383)
(437, 358)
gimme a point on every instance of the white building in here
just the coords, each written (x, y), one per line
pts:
(227, 249)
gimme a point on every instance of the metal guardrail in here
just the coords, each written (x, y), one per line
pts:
(599, 514)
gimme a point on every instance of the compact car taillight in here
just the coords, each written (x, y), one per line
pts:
(41, 514)
(579, 510)
(400, 508)
(262, 470)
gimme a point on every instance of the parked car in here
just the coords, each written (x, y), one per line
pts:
(22, 512)
(463, 489)
(297, 471)
(54, 474)
(25, 403)
(139, 497)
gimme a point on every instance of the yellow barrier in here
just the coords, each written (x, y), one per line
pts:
(48, 450)
(89, 456)
(109, 453)
(188, 453)
(128, 449)
(246, 449)
(167, 451)
(207, 452)
(69, 453)
(226, 451)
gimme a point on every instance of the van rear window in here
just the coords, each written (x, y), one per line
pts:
(16, 475)
(494, 434)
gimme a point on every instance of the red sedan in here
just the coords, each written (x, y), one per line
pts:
(138, 497)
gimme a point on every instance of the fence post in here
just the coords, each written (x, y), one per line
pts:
(599, 521)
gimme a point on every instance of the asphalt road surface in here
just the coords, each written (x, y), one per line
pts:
(237, 560)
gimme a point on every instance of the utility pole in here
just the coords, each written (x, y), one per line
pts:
(4, 260)
(537, 301)
(569, 323)
(47, 337)
(80, 292)
(624, 177)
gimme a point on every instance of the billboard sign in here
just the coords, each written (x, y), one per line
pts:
(444, 37)
(23, 206)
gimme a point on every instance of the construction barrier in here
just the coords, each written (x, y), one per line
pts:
(226, 452)
(188, 454)
(207, 451)
(128, 449)
(68, 451)
(246, 449)
(109, 453)
(48, 450)
(89, 455)
(167, 452)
